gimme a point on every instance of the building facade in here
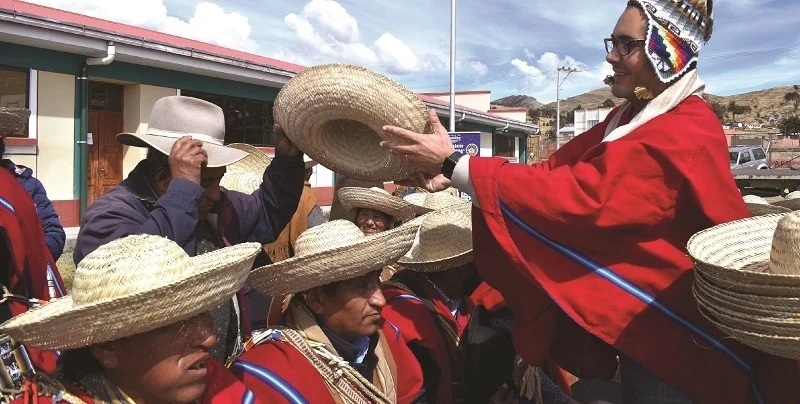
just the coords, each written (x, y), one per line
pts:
(85, 80)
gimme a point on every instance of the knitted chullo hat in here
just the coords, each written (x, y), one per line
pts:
(676, 31)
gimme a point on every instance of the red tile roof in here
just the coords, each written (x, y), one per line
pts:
(66, 17)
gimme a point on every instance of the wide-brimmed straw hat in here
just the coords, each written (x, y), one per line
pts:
(130, 286)
(13, 120)
(789, 204)
(332, 252)
(337, 210)
(759, 206)
(354, 198)
(444, 240)
(176, 116)
(429, 202)
(335, 114)
(747, 280)
(246, 175)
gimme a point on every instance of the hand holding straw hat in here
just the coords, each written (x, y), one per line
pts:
(335, 113)
(131, 286)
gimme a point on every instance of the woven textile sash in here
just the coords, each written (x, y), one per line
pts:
(306, 336)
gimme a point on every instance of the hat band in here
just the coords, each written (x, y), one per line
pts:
(177, 135)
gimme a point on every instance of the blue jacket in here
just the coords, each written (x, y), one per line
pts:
(53, 230)
(132, 208)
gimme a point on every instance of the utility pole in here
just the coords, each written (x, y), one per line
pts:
(559, 82)
(452, 65)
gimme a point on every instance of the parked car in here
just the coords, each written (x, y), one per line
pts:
(748, 157)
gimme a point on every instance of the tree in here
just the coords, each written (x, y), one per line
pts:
(790, 125)
(720, 110)
(735, 109)
(608, 103)
(794, 98)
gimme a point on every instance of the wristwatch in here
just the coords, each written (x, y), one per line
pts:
(450, 164)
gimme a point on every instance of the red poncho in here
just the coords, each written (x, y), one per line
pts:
(600, 230)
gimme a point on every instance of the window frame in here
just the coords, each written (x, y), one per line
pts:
(31, 100)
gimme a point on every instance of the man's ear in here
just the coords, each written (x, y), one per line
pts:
(107, 354)
(162, 178)
(313, 299)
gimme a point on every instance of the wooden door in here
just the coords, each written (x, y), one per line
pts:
(105, 152)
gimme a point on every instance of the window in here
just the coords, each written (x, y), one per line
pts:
(246, 120)
(505, 146)
(14, 91)
(745, 157)
(105, 96)
(759, 154)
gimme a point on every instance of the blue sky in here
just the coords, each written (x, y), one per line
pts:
(508, 47)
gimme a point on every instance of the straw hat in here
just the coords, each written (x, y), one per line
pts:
(747, 280)
(444, 241)
(337, 210)
(354, 198)
(336, 112)
(174, 117)
(247, 174)
(332, 252)
(788, 204)
(130, 286)
(759, 206)
(13, 120)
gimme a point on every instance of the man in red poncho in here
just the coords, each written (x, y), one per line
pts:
(588, 248)
(29, 272)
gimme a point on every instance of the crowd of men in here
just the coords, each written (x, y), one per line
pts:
(190, 291)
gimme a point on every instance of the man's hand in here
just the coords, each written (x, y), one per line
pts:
(187, 158)
(426, 152)
(433, 184)
(284, 146)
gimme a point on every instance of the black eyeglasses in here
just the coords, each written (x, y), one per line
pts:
(624, 48)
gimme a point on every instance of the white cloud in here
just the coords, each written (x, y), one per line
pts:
(325, 32)
(210, 23)
(538, 78)
(477, 68)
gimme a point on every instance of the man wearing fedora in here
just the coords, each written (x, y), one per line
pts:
(136, 328)
(175, 193)
(27, 270)
(333, 345)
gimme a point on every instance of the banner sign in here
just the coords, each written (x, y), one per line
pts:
(467, 142)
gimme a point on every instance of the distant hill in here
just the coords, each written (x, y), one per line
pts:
(767, 106)
(518, 101)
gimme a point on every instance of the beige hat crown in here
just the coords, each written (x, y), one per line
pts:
(176, 116)
(130, 286)
(247, 174)
(444, 240)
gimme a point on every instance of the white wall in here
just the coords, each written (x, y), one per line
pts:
(56, 134)
(138, 103)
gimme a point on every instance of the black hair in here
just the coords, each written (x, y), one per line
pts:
(76, 364)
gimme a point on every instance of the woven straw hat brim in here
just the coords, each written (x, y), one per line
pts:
(338, 212)
(218, 156)
(758, 209)
(12, 120)
(62, 325)
(748, 322)
(243, 182)
(738, 253)
(449, 230)
(301, 273)
(335, 114)
(777, 316)
(766, 306)
(255, 162)
(354, 198)
(786, 347)
(790, 204)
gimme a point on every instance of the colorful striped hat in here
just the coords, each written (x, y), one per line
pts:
(677, 29)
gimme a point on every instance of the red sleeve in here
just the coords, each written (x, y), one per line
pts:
(488, 297)
(275, 370)
(223, 387)
(409, 373)
(409, 315)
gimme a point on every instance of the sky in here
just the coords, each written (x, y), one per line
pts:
(508, 47)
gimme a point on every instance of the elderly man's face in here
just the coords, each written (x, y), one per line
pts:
(633, 70)
(370, 221)
(354, 310)
(164, 365)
